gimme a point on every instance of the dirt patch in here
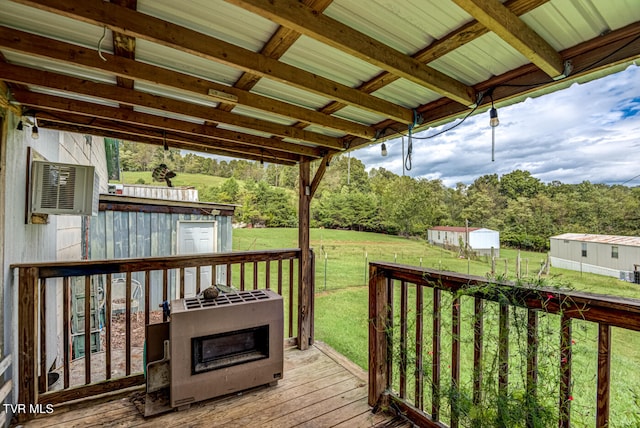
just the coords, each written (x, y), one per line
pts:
(119, 328)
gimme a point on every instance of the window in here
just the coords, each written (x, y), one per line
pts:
(438, 235)
(584, 250)
(614, 252)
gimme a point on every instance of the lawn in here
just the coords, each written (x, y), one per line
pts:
(199, 181)
(342, 311)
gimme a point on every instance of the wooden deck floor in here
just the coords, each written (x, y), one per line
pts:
(320, 389)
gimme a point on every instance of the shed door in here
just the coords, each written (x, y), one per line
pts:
(196, 237)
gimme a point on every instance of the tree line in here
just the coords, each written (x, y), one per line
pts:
(523, 209)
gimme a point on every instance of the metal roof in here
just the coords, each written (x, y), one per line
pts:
(632, 241)
(454, 228)
(288, 81)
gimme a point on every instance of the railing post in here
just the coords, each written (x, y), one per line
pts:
(604, 374)
(304, 296)
(28, 297)
(378, 347)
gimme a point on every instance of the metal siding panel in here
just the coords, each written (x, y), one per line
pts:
(109, 238)
(132, 239)
(283, 92)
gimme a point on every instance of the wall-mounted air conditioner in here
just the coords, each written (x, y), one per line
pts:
(60, 188)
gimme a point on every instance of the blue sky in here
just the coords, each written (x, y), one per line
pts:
(588, 131)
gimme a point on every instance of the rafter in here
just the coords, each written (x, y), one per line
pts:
(18, 41)
(142, 26)
(301, 18)
(170, 137)
(497, 18)
(158, 123)
(28, 76)
(158, 141)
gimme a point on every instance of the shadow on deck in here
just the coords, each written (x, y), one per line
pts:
(321, 388)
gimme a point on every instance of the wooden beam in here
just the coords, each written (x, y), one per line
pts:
(616, 47)
(158, 123)
(29, 76)
(19, 41)
(45, 118)
(28, 304)
(499, 19)
(158, 141)
(146, 27)
(306, 21)
(125, 46)
(317, 178)
(305, 296)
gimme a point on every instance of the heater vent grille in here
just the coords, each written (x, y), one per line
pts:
(200, 302)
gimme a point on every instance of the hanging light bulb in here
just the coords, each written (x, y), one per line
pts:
(493, 114)
(34, 130)
(383, 150)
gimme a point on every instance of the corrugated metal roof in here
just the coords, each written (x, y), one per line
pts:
(633, 241)
(454, 228)
(409, 26)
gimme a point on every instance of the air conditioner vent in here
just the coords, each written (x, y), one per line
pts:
(60, 188)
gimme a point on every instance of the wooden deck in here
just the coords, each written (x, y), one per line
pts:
(321, 388)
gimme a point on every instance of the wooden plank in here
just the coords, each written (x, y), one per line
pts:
(499, 19)
(503, 358)
(455, 361)
(242, 273)
(565, 372)
(107, 331)
(304, 264)
(94, 389)
(127, 342)
(15, 40)
(66, 328)
(87, 330)
(532, 362)
(378, 326)
(604, 375)
(229, 274)
(4, 365)
(390, 328)
(255, 275)
(147, 295)
(403, 338)
(291, 299)
(419, 369)
(478, 334)
(305, 20)
(165, 285)
(280, 277)
(199, 278)
(27, 334)
(5, 390)
(42, 381)
(267, 274)
(436, 349)
(14, 73)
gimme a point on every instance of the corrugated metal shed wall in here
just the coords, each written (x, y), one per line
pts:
(117, 234)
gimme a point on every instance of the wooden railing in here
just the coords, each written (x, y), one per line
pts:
(275, 269)
(417, 349)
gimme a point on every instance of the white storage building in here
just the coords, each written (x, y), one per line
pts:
(480, 240)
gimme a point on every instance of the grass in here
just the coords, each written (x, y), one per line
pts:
(199, 181)
(341, 317)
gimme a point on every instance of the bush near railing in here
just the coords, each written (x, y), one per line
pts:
(502, 354)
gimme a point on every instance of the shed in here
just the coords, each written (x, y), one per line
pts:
(610, 255)
(480, 240)
(133, 227)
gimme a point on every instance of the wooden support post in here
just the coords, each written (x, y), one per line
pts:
(304, 295)
(604, 374)
(28, 297)
(378, 346)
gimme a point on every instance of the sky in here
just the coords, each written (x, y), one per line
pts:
(586, 132)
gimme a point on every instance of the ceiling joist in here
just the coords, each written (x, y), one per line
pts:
(499, 19)
(304, 20)
(28, 76)
(18, 41)
(159, 124)
(146, 27)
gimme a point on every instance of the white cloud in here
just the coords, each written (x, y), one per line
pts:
(584, 132)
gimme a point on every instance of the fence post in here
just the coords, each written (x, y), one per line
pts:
(378, 319)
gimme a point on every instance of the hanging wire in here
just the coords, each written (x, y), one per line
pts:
(104, 34)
